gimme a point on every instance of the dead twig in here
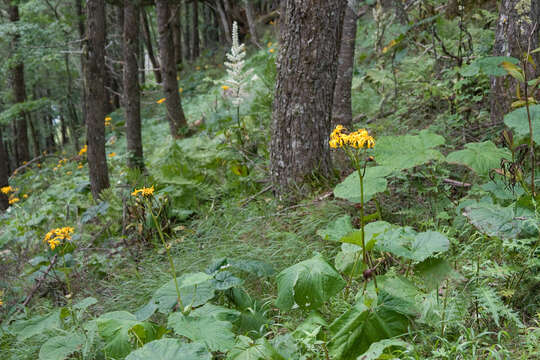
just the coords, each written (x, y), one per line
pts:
(38, 283)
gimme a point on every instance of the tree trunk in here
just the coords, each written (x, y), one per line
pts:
(4, 173)
(177, 36)
(175, 113)
(195, 49)
(19, 92)
(35, 137)
(148, 41)
(302, 109)
(342, 111)
(187, 33)
(514, 29)
(251, 22)
(95, 89)
(81, 27)
(132, 100)
(225, 26)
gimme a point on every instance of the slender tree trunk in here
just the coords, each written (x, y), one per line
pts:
(177, 36)
(342, 111)
(132, 101)
(4, 173)
(95, 88)
(34, 134)
(225, 26)
(187, 33)
(307, 67)
(149, 48)
(514, 28)
(81, 28)
(175, 113)
(195, 50)
(251, 22)
(19, 92)
(51, 144)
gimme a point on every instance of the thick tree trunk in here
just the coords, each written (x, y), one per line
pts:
(19, 92)
(175, 113)
(95, 89)
(81, 27)
(187, 33)
(307, 67)
(149, 48)
(342, 111)
(195, 48)
(177, 36)
(4, 173)
(250, 15)
(514, 30)
(132, 101)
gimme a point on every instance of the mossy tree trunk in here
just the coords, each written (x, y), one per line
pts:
(514, 33)
(132, 96)
(95, 90)
(310, 34)
(175, 113)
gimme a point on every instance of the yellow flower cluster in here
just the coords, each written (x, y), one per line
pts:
(144, 191)
(6, 190)
(55, 236)
(13, 200)
(83, 150)
(357, 139)
(161, 101)
(113, 154)
(108, 121)
(225, 87)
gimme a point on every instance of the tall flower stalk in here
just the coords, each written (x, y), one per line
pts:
(238, 76)
(356, 144)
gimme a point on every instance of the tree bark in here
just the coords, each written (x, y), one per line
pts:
(307, 67)
(187, 33)
(177, 36)
(4, 173)
(19, 92)
(175, 113)
(342, 111)
(195, 48)
(251, 22)
(132, 100)
(225, 26)
(81, 28)
(95, 89)
(149, 48)
(514, 29)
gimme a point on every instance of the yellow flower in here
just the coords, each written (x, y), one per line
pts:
(6, 190)
(13, 201)
(55, 236)
(38, 165)
(145, 191)
(68, 173)
(272, 50)
(80, 166)
(113, 154)
(161, 101)
(25, 196)
(270, 44)
(1, 302)
(225, 87)
(198, 68)
(108, 118)
(181, 90)
(357, 139)
(25, 162)
(83, 150)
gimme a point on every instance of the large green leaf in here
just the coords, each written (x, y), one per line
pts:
(171, 349)
(480, 157)
(377, 349)
(309, 284)
(427, 243)
(407, 243)
(61, 347)
(118, 328)
(406, 151)
(337, 228)
(247, 349)
(216, 334)
(433, 272)
(354, 331)
(37, 325)
(374, 182)
(519, 121)
(494, 220)
(195, 289)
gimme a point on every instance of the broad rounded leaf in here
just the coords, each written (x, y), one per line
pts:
(480, 157)
(518, 121)
(377, 349)
(171, 349)
(374, 182)
(216, 334)
(247, 349)
(494, 220)
(61, 347)
(337, 228)
(427, 243)
(309, 284)
(407, 151)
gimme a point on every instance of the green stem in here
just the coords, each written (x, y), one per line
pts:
(167, 250)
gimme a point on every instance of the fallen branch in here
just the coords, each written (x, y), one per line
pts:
(245, 201)
(22, 167)
(456, 183)
(38, 283)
